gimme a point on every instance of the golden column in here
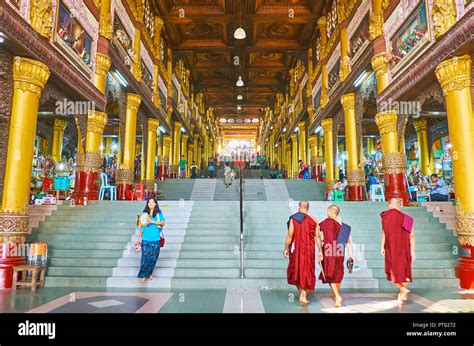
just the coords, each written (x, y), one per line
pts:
(355, 175)
(58, 135)
(125, 176)
(322, 25)
(393, 161)
(196, 153)
(380, 66)
(284, 164)
(29, 77)
(303, 152)
(313, 154)
(191, 157)
(150, 154)
(345, 63)
(326, 124)
(294, 155)
(288, 160)
(86, 186)
(102, 66)
(421, 127)
(184, 151)
(137, 67)
(80, 147)
(370, 145)
(164, 159)
(176, 142)
(454, 75)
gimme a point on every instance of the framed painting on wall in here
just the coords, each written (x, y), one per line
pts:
(333, 77)
(147, 77)
(72, 39)
(360, 39)
(412, 36)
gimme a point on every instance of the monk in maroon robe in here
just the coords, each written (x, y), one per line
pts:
(398, 247)
(331, 254)
(300, 249)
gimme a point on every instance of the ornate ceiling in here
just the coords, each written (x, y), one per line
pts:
(278, 32)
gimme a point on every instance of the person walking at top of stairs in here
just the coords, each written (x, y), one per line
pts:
(182, 167)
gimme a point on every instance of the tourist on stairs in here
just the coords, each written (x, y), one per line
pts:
(335, 236)
(151, 224)
(398, 247)
(300, 249)
(227, 175)
(182, 167)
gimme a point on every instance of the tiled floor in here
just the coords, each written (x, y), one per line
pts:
(53, 300)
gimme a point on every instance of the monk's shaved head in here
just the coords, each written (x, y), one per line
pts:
(334, 210)
(394, 202)
(304, 205)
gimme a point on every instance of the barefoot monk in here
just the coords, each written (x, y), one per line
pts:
(300, 249)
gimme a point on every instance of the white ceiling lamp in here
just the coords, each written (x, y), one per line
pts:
(240, 34)
(240, 97)
(239, 108)
(240, 82)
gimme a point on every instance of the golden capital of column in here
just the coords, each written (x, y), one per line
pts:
(322, 27)
(124, 176)
(376, 25)
(105, 24)
(29, 75)
(386, 122)
(348, 102)
(153, 124)
(293, 136)
(59, 124)
(420, 124)
(102, 64)
(454, 74)
(167, 139)
(301, 126)
(312, 140)
(356, 177)
(185, 137)
(379, 64)
(326, 124)
(177, 126)
(133, 101)
(464, 225)
(96, 121)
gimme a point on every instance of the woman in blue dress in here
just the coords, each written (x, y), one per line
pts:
(150, 239)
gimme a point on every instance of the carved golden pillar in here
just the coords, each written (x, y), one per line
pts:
(102, 66)
(284, 164)
(303, 151)
(288, 161)
(150, 154)
(326, 124)
(323, 101)
(41, 17)
(294, 155)
(355, 175)
(376, 18)
(125, 177)
(29, 77)
(191, 157)
(370, 145)
(176, 142)
(313, 154)
(380, 66)
(421, 127)
(393, 161)
(105, 20)
(454, 75)
(137, 67)
(196, 150)
(164, 160)
(345, 63)
(58, 135)
(86, 186)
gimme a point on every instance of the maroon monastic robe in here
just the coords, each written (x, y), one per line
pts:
(301, 268)
(333, 255)
(397, 247)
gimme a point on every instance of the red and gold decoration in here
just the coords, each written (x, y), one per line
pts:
(88, 164)
(393, 161)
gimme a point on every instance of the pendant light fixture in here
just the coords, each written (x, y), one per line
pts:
(239, 33)
(240, 82)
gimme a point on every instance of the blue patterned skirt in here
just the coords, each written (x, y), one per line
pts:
(150, 254)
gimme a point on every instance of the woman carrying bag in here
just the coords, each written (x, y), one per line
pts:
(150, 240)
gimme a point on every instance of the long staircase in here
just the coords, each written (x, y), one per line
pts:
(92, 246)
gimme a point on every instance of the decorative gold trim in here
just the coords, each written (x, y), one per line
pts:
(41, 17)
(96, 121)
(444, 16)
(13, 224)
(102, 64)
(454, 74)
(88, 162)
(124, 176)
(394, 163)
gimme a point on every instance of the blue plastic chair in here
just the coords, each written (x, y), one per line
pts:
(104, 186)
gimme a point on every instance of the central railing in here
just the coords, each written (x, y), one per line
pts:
(241, 198)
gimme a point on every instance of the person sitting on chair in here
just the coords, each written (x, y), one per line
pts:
(439, 191)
